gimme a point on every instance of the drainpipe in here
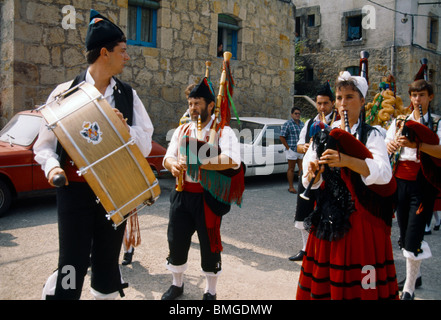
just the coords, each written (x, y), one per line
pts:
(392, 49)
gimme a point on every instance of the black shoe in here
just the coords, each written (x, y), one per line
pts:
(426, 233)
(128, 257)
(436, 228)
(407, 296)
(173, 292)
(208, 296)
(418, 283)
(298, 256)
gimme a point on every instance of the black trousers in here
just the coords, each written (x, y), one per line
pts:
(410, 194)
(186, 217)
(86, 237)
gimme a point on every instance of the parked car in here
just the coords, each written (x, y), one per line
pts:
(261, 150)
(155, 158)
(20, 173)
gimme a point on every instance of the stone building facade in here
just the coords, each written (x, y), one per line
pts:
(396, 33)
(42, 45)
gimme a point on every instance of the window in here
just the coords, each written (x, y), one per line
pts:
(433, 33)
(311, 20)
(354, 71)
(298, 25)
(228, 29)
(141, 28)
(246, 132)
(309, 74)
(354, 31)
(271, 136)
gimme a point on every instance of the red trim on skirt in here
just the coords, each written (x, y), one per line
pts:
(334, 269)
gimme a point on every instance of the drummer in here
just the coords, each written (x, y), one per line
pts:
(86, 236)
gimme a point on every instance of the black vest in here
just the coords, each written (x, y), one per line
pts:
(123, 95)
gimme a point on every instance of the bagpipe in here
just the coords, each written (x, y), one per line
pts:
(344, 142)
(225, 186)
(419, 132)
(423, 72)
(341, 187)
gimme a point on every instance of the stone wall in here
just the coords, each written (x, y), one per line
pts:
(46, 54)
(6, 66)
(328, 65)
(325, 51)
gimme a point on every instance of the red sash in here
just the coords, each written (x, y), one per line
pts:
(407, 170)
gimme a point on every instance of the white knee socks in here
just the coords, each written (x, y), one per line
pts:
(412, 272)
(211, 283)
(305, 235)
(178, 279)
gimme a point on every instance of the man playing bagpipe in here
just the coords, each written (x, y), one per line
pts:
(199, 206)
(349, 252)
(325, 112)
(414, 145)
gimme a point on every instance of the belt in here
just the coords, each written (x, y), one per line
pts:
(193, 187)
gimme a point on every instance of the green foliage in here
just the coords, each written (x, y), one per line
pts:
(298, 64)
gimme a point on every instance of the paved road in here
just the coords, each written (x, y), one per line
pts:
(257, 239)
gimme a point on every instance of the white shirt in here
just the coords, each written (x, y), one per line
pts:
(407, 154)
(380, 171)
(141, 129)
(228, 143)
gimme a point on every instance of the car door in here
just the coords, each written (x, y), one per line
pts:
(272, 151)
(280, 162)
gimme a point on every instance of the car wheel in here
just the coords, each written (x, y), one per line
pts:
(5, 198)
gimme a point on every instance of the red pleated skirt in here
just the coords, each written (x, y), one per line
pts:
(358, 266)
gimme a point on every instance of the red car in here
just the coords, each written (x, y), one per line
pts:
(19, 173)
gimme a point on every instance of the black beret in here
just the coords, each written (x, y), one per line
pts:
(101, 31)
(326, 90)
(202, 90)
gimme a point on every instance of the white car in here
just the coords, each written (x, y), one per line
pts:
(261, 150)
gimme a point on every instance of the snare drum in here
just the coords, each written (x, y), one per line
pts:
(101, 147)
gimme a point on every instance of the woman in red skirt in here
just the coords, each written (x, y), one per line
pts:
(349, 252)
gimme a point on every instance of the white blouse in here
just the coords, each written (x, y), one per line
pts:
(380, 171)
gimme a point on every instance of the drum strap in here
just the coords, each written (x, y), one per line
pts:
(123, 94)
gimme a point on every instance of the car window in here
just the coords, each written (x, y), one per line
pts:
(21, 129)
(271, 136)
(246, 132)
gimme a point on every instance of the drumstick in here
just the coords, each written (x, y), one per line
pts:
(59, 180)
